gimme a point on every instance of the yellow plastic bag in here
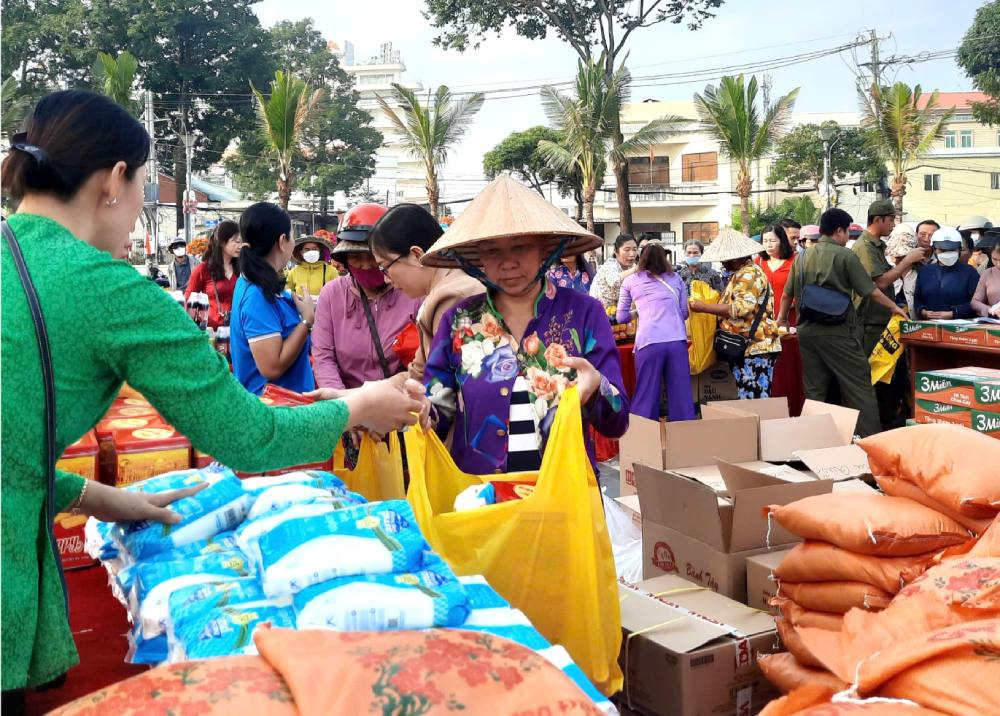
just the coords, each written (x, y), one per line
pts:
(701, 329)
(886, 352)
(549, 554)
(379, 472)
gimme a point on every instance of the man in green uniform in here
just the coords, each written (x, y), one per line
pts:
(874, 316)
(834, 352)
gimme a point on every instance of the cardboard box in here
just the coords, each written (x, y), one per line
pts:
(702, 658)
(924, 331)
(986, 422)
(854, 486)
(969, 387)
(992, 336)
(820, 425)
(846, 462)
(963, 333)
(146, 452)
(79, 458)
(630, 503)
(927, 411)
(642, 443)
(690, 529)
(761, 588)
(715, 383)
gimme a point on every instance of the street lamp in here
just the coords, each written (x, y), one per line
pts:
(826, 134)
(188, 140)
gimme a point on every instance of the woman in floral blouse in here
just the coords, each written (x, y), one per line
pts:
(501, 361)
(572, 272)
(608, 281)
(739, 305)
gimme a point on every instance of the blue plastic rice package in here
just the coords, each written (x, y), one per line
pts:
(309, 478)
(222, 542)
(227, 631)
(432, 597)
(275, 499)
(194, 598)
(180, 479)
(481, 595)
(145, 651)
(98, 542)
(218, 508)
(155, 581)
(248, 534)
(376, 538)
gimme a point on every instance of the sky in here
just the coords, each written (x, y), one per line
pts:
(743, 31)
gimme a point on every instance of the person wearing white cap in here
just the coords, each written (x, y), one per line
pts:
(945, 288)
(746, 310)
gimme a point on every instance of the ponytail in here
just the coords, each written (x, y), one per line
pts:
(261, 225)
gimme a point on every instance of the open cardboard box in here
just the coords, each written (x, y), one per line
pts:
(689, 652)
(761, 587)
(705, 534)
(820, 425)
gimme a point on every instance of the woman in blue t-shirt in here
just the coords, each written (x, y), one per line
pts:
(270, 326)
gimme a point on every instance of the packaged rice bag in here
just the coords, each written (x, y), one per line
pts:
(186, 601)
(275, 499)
(524, 634)
(376, 538)
(145, 651)
(223, 542)
(432, 597)
(156, 581)
(481, 595)
(97, 540)
(248, 533)
(227, 631)
(472, 498)
(216, 509)
(309, 478)
(180, 479)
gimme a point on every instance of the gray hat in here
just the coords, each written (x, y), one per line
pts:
(881, 207)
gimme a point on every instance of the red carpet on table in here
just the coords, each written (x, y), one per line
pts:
(99, 628)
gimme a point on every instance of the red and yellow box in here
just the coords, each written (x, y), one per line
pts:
(148, 451)
(79, 458)
(927, 411)
(965, 334)
(923, 331)
(970, 387)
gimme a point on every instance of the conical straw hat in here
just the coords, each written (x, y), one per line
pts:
(503, 210)
(728, 245)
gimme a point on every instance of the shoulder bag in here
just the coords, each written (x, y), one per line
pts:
(818, 304)
(49, 385)
(373, 329)
(732, 347)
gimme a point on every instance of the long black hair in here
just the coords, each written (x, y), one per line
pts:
(70, 135)
(215, 255)
(785, 250)
(403, 227)
(653, 260)
(261, 225)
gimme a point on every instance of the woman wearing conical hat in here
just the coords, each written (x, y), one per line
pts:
(500, 361)
(738, 309)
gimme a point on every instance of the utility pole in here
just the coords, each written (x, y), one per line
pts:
(151, 198)
(189, 195)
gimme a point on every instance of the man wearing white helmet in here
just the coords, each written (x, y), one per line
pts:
(946, 287)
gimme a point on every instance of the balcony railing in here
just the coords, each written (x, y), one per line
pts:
(640, 193)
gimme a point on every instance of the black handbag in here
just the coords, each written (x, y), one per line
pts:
(818, 304)
(732, 347)
(49, 386)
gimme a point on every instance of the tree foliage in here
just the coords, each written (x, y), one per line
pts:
(802, 209)
(519, 155)
(979, 56)
(799, 156)
(732, 115)
(14, 106)
(115, 77)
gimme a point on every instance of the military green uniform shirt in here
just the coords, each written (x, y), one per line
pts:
(871, 250)
(833, 266)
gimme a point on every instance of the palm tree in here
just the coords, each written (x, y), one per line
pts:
(904, 129)
(115, 77)
(588, 122)
(431, 130)
(14, 106)
(745, 131)
(283, 116)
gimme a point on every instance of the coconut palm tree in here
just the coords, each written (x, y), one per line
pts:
(283, 116)
(115, 76)
(14, 106)
(744, 129)
(587, 123)
(904, 129)
(430, 130)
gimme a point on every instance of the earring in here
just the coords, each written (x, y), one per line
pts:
(112, 202)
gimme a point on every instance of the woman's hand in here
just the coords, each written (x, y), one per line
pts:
(382, 407)
(111, 504)
(305, 306)
(696, 306)
(588, 379)
(995, 311)
(327, 394)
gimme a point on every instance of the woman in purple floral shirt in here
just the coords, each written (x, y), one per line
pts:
(572, 272)
(500, 362)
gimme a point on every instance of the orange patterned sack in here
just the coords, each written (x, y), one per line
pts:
(823, 562)
(898, 487)
(793, 643)
(231, 685)
(788, 674)
(835, 597)
(870, 523)
(954, 465)
(814, 700)
(971, 584)
(800, 617)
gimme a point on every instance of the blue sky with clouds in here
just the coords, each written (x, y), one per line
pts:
(743, 31)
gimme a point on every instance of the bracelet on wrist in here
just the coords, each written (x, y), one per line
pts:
(78, 502)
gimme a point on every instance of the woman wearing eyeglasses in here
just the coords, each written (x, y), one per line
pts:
(359, 316)
(398, 241)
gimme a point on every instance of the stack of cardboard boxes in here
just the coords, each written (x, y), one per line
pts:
(963, 396)
(698, 490)
(954, 332)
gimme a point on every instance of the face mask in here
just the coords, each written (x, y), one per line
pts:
(310, 257)
(692, 260)
(948, 258)
(179, 251)
(369, 279)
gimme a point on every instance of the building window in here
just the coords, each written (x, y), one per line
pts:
(703, 166)
(995, 181)
(949, 139)
(703, 231)
(374, 79)
(932, 182)
(643, 171)
(966, 136)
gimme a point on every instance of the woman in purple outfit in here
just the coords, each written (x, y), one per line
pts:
(500, 362)
(661, 351)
